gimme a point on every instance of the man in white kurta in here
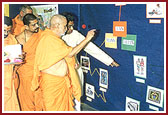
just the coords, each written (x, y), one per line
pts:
(73, 38)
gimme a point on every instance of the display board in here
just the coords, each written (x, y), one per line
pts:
(144, 40)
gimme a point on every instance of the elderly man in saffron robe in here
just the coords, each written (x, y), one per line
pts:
(54, 67)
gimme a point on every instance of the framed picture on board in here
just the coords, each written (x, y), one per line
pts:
(85, 62)
(103, 81)
(155, 10)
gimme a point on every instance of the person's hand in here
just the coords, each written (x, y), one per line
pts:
(114, 64)
(21, 60)
(90, 34)
(22, 57)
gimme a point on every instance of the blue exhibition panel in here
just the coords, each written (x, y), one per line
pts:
(121, 80)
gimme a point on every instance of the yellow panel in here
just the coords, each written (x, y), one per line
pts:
(6, 10)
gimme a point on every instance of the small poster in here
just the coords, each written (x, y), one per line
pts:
(85, 62)
(155, 10)
(12, 54)
(140, 66)
(110, 41)
(90, 89)
(103, 81)
(46, 12)
(132, 104)
(154, 96)
(129, 43)
(120, 28)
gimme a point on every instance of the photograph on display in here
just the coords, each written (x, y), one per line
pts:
(155, 10)
(132, 104)
(85, 62)
(103, 81)
(90, 91)
(12, 54)
(140, 66)
(45, 12)
(154, 96)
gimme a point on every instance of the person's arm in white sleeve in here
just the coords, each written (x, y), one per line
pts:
(97, 53)
(92, 49)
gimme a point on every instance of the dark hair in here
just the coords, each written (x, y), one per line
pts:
(24, 7)
(7, 21)
(69, 16)
(28, 17)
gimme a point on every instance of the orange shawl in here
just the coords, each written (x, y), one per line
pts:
(18, 26)
(50, 50)
(28, 101)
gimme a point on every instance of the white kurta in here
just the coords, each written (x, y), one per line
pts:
(75, 38)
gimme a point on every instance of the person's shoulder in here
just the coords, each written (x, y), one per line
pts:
(12, 35)
(48, 36)
(15, 18)
(46, 33)
(77, 32)
(20, 36)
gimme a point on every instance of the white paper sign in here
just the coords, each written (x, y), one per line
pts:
(12, 52)
(119, 28)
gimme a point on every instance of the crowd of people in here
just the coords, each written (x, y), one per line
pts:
(47, 79)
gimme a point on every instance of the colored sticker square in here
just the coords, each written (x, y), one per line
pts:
(120, 28)
(129, 43)
(110, 41)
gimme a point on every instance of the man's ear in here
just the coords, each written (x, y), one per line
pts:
(21, 13)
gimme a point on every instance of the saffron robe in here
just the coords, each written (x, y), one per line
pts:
(57, 92)
(10, 97)
(29, 100)
(18, 26)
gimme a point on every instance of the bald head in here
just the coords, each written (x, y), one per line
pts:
(57, 19)
(58, 24)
